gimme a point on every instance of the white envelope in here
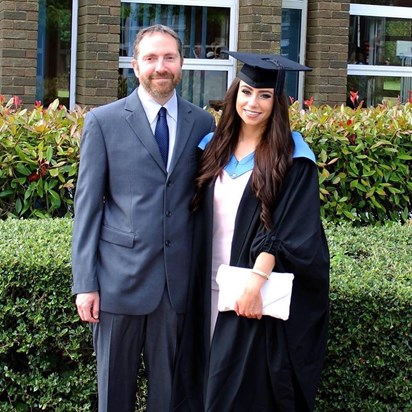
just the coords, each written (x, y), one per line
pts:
(276, 292)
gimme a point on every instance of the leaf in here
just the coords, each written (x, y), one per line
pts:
(54, 105)
(40, 188)
(404, 157)
(19, 206)
(6, 193)
(394, 190)
(349, 215)
(22, 169)
(55, 199)
(325, 173)
(20, 153)
(331, 162)
(49, 153)
(376, 203)
(360, 187)
(380, 143)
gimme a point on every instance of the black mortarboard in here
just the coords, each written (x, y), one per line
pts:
(265, 70)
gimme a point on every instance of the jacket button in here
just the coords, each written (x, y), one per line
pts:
(169, 183)
(168, 243)
(168, 213)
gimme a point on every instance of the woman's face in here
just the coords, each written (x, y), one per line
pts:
(254, 106)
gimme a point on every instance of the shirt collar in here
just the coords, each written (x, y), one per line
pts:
(151, 107)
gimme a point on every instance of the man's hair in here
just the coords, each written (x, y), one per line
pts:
(157, 28)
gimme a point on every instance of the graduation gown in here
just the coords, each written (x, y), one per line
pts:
(269, 364)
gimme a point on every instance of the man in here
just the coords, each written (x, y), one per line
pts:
(131, 245)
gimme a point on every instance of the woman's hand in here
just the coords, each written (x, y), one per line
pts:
(249, 304)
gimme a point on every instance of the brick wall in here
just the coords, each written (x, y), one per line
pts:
(98, 52)
(259, 25)
(327, 51)
(18, 49)
(98, 46)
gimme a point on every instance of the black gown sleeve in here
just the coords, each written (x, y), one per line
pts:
(297, 232)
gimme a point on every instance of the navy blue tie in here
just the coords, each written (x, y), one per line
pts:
(162, 134)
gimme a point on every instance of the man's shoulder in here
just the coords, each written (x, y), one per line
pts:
(109, 108)
(194, 108)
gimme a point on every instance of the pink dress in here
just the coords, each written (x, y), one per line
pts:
(227, 195)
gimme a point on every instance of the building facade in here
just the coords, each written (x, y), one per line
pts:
(80, 51)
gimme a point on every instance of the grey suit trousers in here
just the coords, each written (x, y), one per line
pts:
(119, 341)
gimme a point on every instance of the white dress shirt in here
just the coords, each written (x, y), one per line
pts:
(151, 108)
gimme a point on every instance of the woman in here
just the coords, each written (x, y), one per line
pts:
(257, 205)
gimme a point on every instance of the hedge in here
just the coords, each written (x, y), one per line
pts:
(364, 158)
(46, 360)
(39, 156)
(369, 363)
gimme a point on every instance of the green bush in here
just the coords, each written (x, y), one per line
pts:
(46, 358)
(369, 362)
(39, 153)
(365, 160)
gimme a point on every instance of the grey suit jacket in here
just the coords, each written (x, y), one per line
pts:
(132, 231)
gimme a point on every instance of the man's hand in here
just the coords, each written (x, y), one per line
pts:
(88, 305)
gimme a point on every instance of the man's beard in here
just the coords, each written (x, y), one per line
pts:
(161, 91)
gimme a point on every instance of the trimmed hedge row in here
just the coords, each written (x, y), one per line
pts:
(46, 360)
(364, 158)
(369, 364)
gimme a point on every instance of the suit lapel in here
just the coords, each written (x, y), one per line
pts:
(137, 120)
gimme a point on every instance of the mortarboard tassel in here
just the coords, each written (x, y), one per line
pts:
(280, 82)
(280, 78)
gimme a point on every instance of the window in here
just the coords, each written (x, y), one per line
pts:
(53, 51)
(380, 53)
(293, 43)
(205, 27)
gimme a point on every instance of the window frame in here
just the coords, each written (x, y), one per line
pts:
(303, 6)
(227, 65)
(367, 10)
(73, 55)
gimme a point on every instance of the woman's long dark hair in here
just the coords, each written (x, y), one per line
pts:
(273, 155)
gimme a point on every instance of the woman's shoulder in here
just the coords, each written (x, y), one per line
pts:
(302, 149)
(205, 141)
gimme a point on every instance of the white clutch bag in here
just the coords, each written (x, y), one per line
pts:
(276, 291)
